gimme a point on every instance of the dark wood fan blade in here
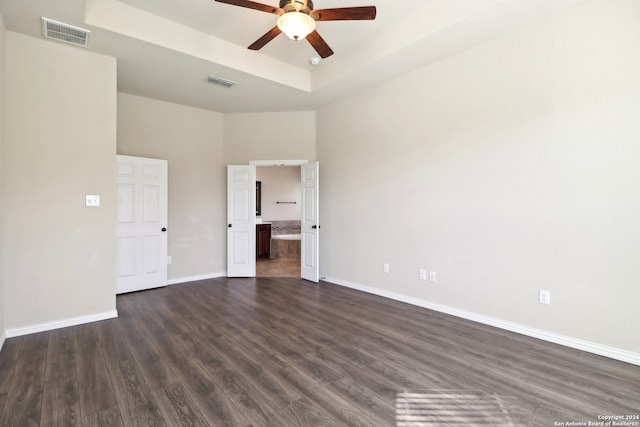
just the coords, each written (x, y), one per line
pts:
(319, 44)
(345, 14)
(253, 5)
(270, 35)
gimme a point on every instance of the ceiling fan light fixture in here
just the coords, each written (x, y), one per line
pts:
(296, 25)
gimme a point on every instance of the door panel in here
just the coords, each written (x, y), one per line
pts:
(125, 203)
(310, 225)
(141, 244)
(125, 247)
(151, 201)
(152, 249)
(241, 221)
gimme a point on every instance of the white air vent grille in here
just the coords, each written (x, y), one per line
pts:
(65, 33)
(220, 81)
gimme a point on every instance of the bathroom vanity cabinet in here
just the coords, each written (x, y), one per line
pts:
(263, 240)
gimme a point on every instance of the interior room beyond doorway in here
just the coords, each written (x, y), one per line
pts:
(278, 221)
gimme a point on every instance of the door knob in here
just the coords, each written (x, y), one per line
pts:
(230, 226)
(314, 226)
(163, 229)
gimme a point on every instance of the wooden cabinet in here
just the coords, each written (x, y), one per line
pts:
(263, 240)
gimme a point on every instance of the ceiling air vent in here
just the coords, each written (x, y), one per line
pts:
(65, 33)
(220, 81)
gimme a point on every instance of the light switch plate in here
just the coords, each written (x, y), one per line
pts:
(92, 200)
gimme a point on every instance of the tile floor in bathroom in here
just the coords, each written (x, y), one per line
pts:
(277, 267)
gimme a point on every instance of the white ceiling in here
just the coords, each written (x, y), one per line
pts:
(167, 48)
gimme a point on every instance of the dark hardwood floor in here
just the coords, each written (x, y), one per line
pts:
(285, 352)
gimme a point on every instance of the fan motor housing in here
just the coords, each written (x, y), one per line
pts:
(293, 5)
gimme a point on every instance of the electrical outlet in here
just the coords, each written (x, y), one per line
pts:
(385, 267)
(92, 200)
(432, 277)
(423, 274)
(544, 297)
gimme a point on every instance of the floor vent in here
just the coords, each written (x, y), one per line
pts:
(65, 33)
(220, 81)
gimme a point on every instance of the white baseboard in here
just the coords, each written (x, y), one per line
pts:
(48, 326)
(2, 339)
(595, 348)
(196, 278)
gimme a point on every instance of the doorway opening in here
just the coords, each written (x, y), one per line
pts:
(242, 224)
(278, 221)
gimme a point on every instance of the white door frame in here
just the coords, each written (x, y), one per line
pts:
(278, 162)
(310, 222)
(281, 163)
(141, 223)
(241, 219)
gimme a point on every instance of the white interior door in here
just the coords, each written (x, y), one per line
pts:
(141, 240)
(241, 221)
(310, 224)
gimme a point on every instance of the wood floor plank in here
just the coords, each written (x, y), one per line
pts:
(23, 405)
(198, 380)
(8, 358)
(383, 409)
(249, 401)
(3, 399)
(94, 382)
(85, 335)
(207, 392)
(242, 379)
(268, 381)
(331, 403)
(114, 347)
(156, 372)
(61, 402)
(303, 413)
(586, 371)
(135, 400)
(280, 351)
(61, 357)
(242, 358)
(109, 417)
(501, 383)
(177, 406)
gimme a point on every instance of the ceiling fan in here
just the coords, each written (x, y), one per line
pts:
(298, 20)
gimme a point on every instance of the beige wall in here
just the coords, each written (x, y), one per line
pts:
(198, 145)
(508, 168)
(60, 144)
(2, 52)
(191, 140)
(269, 136)
(280, 183)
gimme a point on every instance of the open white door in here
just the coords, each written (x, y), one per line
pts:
(310, 224)
(141, 239)
(241, 221)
